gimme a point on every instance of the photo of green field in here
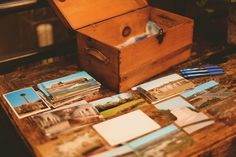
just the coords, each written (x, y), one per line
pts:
(124, 108)
(119, 104)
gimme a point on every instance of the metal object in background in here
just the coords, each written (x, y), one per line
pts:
(10, 4)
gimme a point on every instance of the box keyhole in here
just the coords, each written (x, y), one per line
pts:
(126, 31)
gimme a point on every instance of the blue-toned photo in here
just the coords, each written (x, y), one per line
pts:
(25, 102)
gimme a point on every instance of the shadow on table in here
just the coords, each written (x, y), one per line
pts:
(10, 142)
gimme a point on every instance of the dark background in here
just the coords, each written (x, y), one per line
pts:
(18, 35)
(210, 31)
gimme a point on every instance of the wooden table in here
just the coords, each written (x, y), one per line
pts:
(215, 140)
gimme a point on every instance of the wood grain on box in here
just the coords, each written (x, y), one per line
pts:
(103, 25)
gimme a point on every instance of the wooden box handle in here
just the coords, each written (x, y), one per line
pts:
(97, 55)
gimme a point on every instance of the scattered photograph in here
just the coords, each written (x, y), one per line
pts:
(76, 144)
(225, 111)
(191, 121)
(209, 96)
(166, 142)
(187, 116)
(162, 117)
(174, 103)
(199, 88)
(74, 116)
(119, 104)
(68, 86)
(25, 102)
(126, 127)
(164, 88)
(120, 151)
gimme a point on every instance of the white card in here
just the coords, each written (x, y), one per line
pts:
(126, 127)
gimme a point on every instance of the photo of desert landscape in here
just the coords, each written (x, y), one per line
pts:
(119, 104)
(25, 102)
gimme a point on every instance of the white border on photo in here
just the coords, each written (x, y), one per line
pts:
(30, 113)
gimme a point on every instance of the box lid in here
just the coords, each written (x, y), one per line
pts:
(80, 13)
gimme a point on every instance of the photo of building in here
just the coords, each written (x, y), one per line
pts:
(78, 114)
(25, 102)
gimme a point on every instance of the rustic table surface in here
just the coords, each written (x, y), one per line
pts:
(215, 140)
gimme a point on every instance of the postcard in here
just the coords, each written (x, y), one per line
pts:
(64, 119)
(126, 127)
(174, 103)
(115, 152)
(187, 116)
(88, 97)
(225, 111)
(162, 117)
(25, 102)
(60, 103)
(119, 104)
(166, 142)
(210, 94)
(199, 88)
(190, 120)
(76, 144)
(164, 88)
(62, 88)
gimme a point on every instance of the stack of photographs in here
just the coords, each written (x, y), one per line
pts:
(69, 89)
(163, 88)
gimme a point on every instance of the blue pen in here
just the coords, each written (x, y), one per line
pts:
(202, 71)
(202, 68)
(203, 74)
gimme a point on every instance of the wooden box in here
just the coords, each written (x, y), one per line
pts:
(101, 25)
